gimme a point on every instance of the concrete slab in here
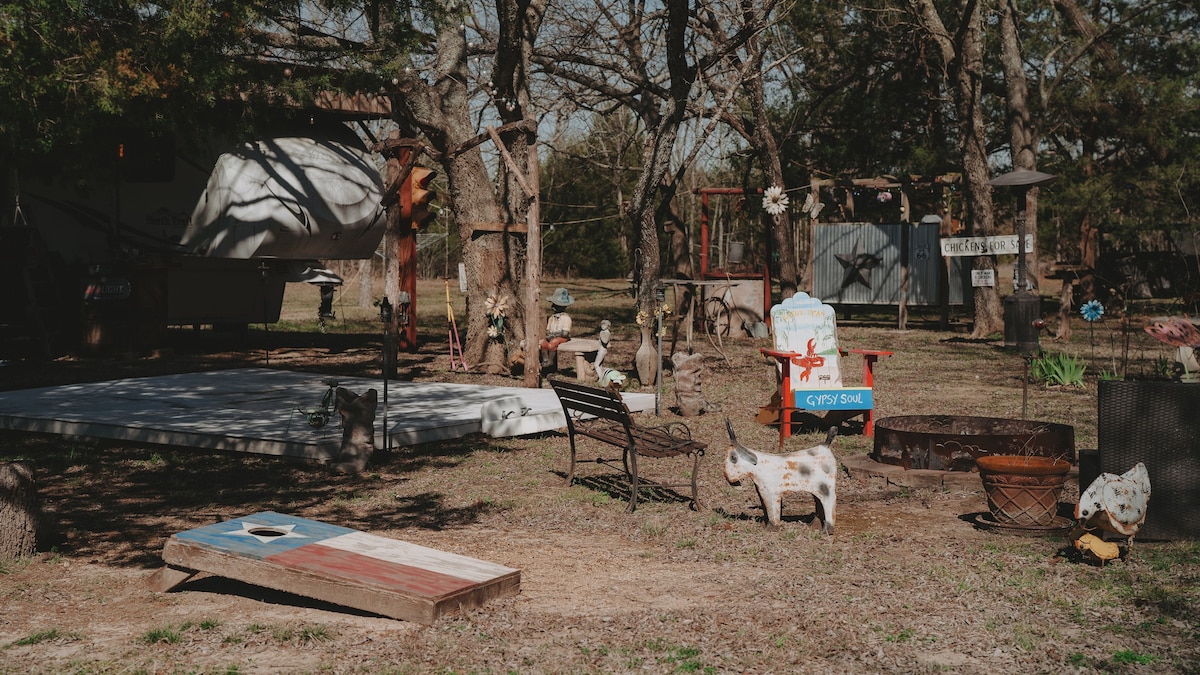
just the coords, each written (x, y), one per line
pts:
(255, 410)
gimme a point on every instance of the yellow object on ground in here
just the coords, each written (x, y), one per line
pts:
(1090, 544)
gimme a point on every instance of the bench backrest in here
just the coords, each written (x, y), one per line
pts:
(591, 401)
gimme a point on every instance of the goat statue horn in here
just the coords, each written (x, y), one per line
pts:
(830, 435)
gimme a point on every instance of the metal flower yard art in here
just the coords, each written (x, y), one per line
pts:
(495, 308)
(1092, 310)
(775, 200)
(1180, 332)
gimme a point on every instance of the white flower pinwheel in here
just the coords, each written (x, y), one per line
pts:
(775, 200)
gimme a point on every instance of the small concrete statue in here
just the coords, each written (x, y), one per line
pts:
(558, 327)
(605, 338)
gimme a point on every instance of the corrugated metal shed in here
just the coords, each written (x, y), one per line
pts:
(861, 264)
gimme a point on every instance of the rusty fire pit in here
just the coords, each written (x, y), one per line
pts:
(953, 442)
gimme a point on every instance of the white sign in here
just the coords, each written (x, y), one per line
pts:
(998, 245)
(980, 278)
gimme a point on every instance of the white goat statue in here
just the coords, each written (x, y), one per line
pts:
(811, 470)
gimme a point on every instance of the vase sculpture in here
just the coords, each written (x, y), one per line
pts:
(646, 359)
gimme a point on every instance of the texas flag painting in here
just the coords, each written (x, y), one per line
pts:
(336, 564)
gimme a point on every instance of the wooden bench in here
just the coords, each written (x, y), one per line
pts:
(600, 414)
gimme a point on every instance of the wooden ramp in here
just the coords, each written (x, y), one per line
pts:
(335, 564)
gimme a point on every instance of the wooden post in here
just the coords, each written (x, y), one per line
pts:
(400, 240)
(535, 326)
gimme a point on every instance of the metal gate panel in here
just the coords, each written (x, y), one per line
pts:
(861, 263)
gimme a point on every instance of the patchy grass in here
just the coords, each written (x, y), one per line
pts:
(905, 584)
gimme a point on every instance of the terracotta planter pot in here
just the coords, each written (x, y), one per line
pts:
(1023, 490)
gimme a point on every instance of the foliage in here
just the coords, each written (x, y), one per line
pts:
(584, 186)
(1163, 369)
(1059, 370)
(868, 94)
(1121, 121)
(1130, 656)
(85, 76)
(51, 635)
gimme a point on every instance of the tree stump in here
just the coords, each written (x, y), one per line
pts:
(19, 511)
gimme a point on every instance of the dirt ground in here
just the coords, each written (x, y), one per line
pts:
(905, 584)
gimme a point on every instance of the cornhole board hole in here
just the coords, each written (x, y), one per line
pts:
(335, 564)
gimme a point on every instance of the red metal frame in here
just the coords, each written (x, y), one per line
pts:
(706, 273)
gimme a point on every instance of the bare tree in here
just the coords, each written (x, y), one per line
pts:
(747, 72)
(646, 57)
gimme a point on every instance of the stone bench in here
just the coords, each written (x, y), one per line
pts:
(581, 348)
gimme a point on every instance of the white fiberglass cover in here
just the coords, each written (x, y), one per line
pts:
(291, 198)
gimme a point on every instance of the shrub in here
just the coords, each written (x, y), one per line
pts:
(1059, 369)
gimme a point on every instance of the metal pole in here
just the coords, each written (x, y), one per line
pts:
(1021, 214)
(385, 315)
(386, 367)
(660, 295)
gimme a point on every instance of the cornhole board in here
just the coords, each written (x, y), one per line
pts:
(335, 564)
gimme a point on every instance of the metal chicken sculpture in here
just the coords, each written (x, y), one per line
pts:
(1116, 503)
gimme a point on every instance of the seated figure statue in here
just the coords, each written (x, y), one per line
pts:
(558, 327)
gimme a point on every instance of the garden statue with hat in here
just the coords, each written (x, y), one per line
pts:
(558, 326)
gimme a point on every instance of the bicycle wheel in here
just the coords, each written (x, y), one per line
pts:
(717, 316)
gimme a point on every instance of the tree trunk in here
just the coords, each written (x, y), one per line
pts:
(437, 100)
(1022, 134)
(656, 160)
(962, 56)
(767, 149)
(989, 315)
(19, 511)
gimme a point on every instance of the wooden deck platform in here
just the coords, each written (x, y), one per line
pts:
(255, 410)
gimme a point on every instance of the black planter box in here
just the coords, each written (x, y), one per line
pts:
(1157, 423)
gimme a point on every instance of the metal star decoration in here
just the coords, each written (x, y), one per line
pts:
(858, 266)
